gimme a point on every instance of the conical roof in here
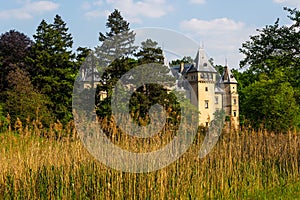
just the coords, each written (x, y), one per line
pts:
(227, 76)
(201, 62)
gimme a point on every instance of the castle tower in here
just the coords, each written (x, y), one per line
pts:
(231, 103)
(202, 77)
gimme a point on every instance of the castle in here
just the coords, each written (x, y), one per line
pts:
(213, 91)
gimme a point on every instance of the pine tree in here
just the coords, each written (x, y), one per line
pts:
(116, 43)
(113, 54)
(150, 53)
(53, 67)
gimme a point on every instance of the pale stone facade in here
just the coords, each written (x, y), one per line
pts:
(213, 91)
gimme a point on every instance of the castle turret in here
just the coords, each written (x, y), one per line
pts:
(231, 103)
(202, 78)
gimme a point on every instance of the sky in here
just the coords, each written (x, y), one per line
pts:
(219, 26)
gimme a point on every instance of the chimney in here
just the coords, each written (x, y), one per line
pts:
(181, 67)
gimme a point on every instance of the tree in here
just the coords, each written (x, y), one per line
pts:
(270, 103)
(116, 43)
(150, 53)
(148, 95)
(112, 54)
(276, 44)
(14, 48)
(185, 59)
(23, 101)
(275, 49)
(53, 68)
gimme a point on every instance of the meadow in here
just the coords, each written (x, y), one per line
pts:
(52, 163)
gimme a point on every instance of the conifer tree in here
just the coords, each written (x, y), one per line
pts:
(116, 43)
(116, 46)
(53, 68)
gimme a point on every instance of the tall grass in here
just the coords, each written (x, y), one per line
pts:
(52, 163)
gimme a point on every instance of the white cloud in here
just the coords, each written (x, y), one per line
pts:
(134, 11)
(40, 7)
(215, 25)
(223, 37)
(197, 1)
(96, 13)
(292, 3)
(29, 10)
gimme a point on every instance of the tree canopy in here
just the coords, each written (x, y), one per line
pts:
(53, 69)
(269, 86)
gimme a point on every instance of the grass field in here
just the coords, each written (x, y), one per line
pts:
(53, 164)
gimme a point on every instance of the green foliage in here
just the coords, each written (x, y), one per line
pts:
(269, 90)
(3, 121)
(150, 53)
(274, 43)
(23, 101)
(185, 59)
(116, 43)
(113, 53)
(108, 81)
(150, 94)
(270, 102)
(53, 69)
(14, 47)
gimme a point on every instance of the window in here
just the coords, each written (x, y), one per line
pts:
(206, 89)
(216, 100)
(234, 101)
(206, 104)
(234, 113)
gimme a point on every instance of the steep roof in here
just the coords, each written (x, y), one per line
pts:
(227, 76)
(202, 63)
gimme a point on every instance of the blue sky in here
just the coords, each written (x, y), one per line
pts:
(221, 26)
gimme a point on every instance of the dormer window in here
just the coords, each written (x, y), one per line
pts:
(205, 64)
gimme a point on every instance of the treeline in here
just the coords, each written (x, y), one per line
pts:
(37, 77)
(269, 82)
